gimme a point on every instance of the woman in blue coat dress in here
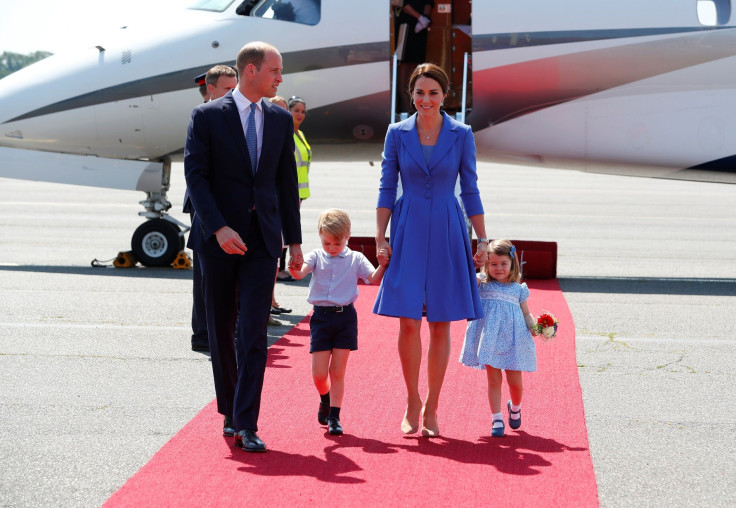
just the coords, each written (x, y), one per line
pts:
(432, 267)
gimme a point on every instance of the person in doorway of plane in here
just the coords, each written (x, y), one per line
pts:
(411, 41)
(213, 84)
(432, 267)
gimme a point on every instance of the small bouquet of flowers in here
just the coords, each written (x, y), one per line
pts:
(546, 325)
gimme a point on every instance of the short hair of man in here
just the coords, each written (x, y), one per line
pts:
(218, 71)
(334, 222)
(252, 53)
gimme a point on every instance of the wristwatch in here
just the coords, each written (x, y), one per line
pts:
(481, 240)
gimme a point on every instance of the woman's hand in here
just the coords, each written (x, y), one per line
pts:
(481, 249)
(383, 252)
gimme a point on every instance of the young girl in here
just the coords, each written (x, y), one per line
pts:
(502, 339)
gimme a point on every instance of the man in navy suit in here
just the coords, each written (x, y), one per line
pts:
(241, 174)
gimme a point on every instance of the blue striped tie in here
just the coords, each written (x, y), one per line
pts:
(251, 138)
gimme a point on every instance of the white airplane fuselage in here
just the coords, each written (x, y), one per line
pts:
(632, 83)
(130, 96)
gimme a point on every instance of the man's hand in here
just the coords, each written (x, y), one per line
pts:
(230, 241)
(295, 256)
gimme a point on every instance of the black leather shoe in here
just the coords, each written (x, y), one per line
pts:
(201, 345)
(249, 441)
(227, 427)
(275, 311)
(281, 310)
(323, 413)
(334, 427)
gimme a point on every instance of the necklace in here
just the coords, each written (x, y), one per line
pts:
(431, 133)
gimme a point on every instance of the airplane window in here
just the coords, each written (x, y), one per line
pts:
(714, 12)
(211, 5)
(306, 12)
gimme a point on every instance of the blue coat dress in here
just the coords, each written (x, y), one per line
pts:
(432, 261)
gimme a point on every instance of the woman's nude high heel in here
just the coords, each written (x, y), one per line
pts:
(409, 426)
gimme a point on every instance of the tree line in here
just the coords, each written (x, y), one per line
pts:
(11, 62)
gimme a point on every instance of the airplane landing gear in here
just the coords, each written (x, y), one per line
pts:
(157, 242)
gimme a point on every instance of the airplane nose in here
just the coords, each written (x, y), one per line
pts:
(11, 106)
(31, 95)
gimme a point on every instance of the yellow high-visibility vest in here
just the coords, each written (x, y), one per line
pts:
(303, 155)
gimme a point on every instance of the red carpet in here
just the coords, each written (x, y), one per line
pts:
(546, 463)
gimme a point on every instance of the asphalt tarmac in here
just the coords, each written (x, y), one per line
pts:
(97, 373)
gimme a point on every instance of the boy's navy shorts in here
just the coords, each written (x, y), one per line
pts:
(333, 328)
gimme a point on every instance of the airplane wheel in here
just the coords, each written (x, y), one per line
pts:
(156, 242)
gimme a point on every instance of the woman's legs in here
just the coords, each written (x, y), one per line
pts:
(438, 357)
(410, 354)
(274, 303)
(281, 272)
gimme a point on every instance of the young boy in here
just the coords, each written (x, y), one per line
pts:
(334, 324)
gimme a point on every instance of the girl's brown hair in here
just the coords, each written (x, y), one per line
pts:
(504, 248)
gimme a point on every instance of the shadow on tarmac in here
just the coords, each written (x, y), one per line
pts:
(110, 271)
(649, 285)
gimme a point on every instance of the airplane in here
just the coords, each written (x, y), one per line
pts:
(627, 84)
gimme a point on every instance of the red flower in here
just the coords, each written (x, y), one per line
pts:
(546, 320)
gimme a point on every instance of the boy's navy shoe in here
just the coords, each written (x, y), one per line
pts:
(334, 426)
(324, 410)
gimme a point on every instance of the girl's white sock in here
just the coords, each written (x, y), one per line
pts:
(515, 409)
(497, 420)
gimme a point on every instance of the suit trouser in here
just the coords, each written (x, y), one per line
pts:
(238, 290)
(199, 318)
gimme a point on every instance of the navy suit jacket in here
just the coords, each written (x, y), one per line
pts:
(221, 184)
